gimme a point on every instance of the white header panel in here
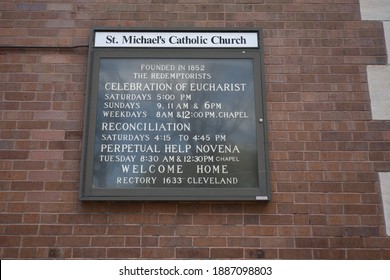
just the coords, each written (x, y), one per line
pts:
(115, 39)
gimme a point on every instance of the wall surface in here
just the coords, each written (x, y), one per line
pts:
(379, 87)
(326, 150)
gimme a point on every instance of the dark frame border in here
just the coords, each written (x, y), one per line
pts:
(87, 192)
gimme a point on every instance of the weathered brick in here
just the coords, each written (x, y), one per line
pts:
(123, 230)
(107, 241)
(260, 230)
(29, 165)
(13, 175)
(226, 253)
(329, 254)
(226, 230)
(295, 254)
(55, 230)
(150, 242)
(38, 241)
(46, 155)
(47, 175)
(324, 149)
(27, 186)
(209, 219)
(123, 253)
(10, 154)
(209, 241)
(192, 230)
(157, 253)
(89, 253)
(192, 253)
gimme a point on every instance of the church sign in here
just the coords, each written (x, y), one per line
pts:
(175, 115)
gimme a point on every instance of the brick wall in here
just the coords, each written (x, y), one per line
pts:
(379, 88)
(325, 149)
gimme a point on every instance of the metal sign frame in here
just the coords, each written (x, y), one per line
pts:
(121, 48)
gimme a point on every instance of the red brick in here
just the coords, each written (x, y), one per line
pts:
(10, 218)
(261, 253)
(293, 187)
(192, 253)
(327, 209)
(276, 219)
(375, 242)
(58, 207)
(352, 146)
(192, 230)
(141, 219)
(226, 230)
(175, 242)
(340, 176)
(334, 220)
(60, 186)
(89, 230)
(48, 218)
(23, 207)
(33, 218)
(226, 253)
(311, 198)
(123, 253)
(29, 253)
(14, 196)
(326, 187)
(364, 254)
(10, 241)
(334, 231)
(48, 134)
(311, 242)
(329, 254)
(235, 219)
(6, 165)
(324, 149)
(48, 175)
(89, 253)
(72, 135)
(38, 241)
(260, 230)
(295, 254)
(10, 253)
(157, 253)
(243, 242)
(123, 230)
(64, 145)
(43, 196)
(65, 125)
(156, 207)
(276, 242)
(14, 175)
(55, 230)
(379, 146)
(344, 198)
(209, 219)
(149, 241)
(107, 241)
(132, 241)
(29, 165)
(31, 145)
(9, 154)
(32, 125)
(209, 241)
(362, 231)
(360, 209)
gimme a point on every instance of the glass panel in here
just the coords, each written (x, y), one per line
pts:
(175, 123)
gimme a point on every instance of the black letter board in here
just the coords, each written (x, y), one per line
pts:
(175, 115)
